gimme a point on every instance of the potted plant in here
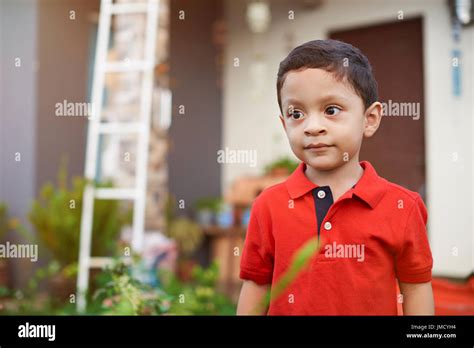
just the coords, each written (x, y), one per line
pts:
(206, 210)
(56, 216)
(281, 167)
(225, 216)
(188, 236)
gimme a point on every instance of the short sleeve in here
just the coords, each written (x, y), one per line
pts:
(256, 263)
(414, 260)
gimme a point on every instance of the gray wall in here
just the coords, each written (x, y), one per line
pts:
(54, 54)
(195, 136)
(63, 51)
(18, 102)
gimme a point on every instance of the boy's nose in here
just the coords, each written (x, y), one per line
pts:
(315, 125)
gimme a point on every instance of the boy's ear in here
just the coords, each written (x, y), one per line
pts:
(373, 116)
(282, 119)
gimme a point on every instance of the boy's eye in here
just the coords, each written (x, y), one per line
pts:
(333, 110)
(295, 114)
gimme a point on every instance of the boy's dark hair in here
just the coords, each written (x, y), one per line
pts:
(342, 59)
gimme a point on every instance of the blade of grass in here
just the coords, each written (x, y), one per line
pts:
(299, 262)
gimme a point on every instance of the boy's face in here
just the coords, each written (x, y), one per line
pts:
(319, 109)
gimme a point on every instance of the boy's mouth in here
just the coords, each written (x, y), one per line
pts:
(317, 147)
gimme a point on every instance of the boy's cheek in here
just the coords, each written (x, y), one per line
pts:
(294, 136)
(296, 130)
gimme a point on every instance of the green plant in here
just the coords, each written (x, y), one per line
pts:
(187, 234)
(198, 297)
(4, 224)
(208, 203)
(299, 262)
(56, 215)
(284, 162)
(31, 301)
(8, 223)
(123, 294)
(42, 273)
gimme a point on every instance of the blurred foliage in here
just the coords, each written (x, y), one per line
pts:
(299, 262)
(187, 234)
(8, 224)
(198, 297)
(3, 220)
(285, 162)
(213, 204)
(56, 215)
(52, 269)
(32, 300)
(121, 293)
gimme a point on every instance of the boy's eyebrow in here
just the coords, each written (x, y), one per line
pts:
(322, 99)
(292, 101)
(332, 96)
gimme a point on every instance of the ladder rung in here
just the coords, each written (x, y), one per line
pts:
(102, 262)
(115, 193)
(128, 8)
(131, 66)
(121, 127)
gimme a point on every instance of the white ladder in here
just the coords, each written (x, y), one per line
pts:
(142, 128)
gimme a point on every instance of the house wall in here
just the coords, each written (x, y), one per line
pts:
(195, 135)
(18, 103)
(63, 55)
(18, 20)
(54, 54)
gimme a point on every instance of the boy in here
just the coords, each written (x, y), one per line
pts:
(373, 232)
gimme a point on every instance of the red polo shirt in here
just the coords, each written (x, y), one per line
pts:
(373, 234)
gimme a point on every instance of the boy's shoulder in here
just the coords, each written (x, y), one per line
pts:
(276, 191)
(402, 192)
(411, 200)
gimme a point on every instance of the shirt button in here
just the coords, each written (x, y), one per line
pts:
(327, 225)
(321, 194)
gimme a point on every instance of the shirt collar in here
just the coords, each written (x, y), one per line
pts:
(370, 187)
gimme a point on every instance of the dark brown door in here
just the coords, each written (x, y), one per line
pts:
(394, 49)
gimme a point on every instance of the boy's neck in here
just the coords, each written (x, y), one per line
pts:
(343, 177)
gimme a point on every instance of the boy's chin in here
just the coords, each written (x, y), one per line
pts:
(323, 163)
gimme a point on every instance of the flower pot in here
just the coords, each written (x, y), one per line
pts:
(62, 287)
(185, 269)
(225, 218)
(205, 217)
(279, 171)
